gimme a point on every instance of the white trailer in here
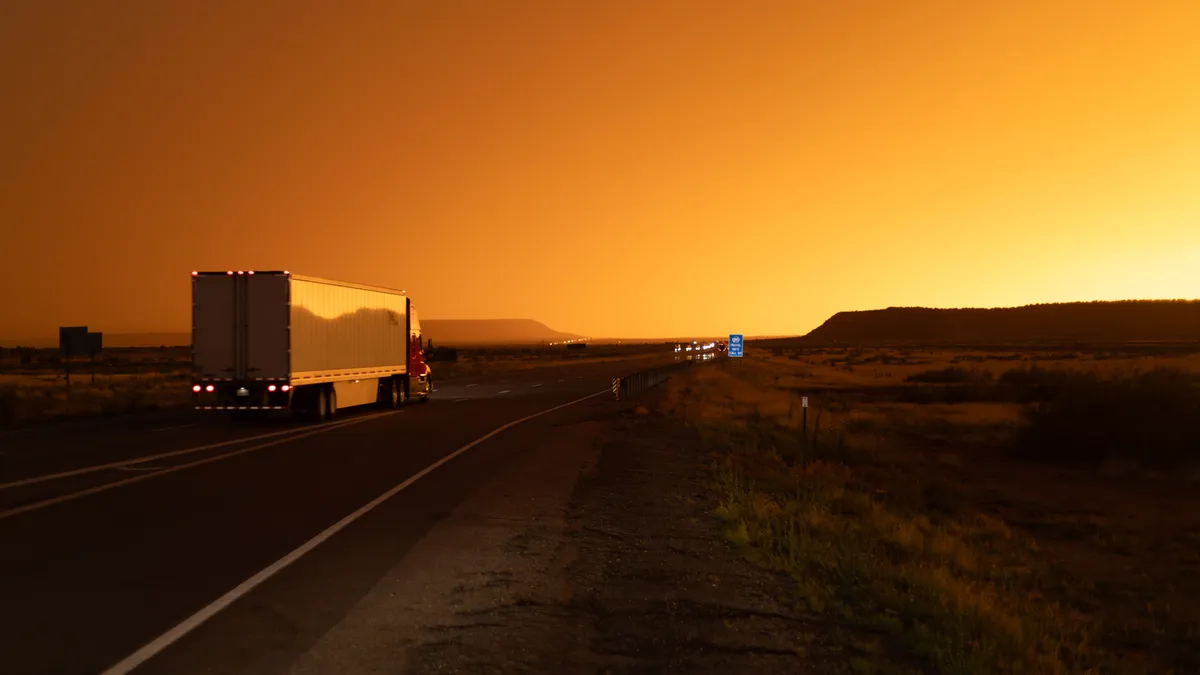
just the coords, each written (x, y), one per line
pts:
(272, 340)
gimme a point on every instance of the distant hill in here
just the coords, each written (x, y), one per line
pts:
(452, 332)
(1086, 322)
(445, 332)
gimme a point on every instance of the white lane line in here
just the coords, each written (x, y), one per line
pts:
(166, 470)
(192, 622)
(472, 385)
(459, 400)
(151, 458)
(140, 468)
(505, 391)
(177, 426)
(538, 384)
(562, 380)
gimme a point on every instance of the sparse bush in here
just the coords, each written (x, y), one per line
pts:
(11, 404)
(951, 375)
(1150, 418)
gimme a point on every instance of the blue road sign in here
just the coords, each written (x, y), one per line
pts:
(735, 344)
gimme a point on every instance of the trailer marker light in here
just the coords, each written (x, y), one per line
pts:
(230, 273)
(196, 388)
(240, 272)
(270, 387)
(195, 273)
(209, 388)
(250, 272)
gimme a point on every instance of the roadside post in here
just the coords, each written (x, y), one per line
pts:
(95, 346)
(72, 340)
(804, 414)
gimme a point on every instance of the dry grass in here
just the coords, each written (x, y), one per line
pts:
(30, 397)
(930, 532)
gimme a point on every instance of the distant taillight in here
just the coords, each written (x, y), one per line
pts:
(195, 273)
(270, 387)
(196, 388)
(230, 273)
(240, 272)
(250, 272)
(210, 388)
(284, 388)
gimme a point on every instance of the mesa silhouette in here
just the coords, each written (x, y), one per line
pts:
(454, 332)
(1074, 322)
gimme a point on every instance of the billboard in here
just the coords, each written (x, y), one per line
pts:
(73, 341)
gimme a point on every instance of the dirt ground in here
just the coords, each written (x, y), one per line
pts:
(596, 552)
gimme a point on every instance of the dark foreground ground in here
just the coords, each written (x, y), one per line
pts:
(630, 576)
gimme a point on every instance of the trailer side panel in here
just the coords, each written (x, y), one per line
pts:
(340, 331)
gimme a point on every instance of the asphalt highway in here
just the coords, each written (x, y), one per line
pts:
(170, 541)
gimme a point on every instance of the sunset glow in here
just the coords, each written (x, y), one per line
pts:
(616, 169)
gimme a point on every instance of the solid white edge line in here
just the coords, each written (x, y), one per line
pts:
(172, 469)
(189, 624)
(177, 426)
(164, 455)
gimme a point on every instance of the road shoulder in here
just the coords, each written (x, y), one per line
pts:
(592, 551)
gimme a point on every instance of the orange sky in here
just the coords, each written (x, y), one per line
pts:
(610, 168)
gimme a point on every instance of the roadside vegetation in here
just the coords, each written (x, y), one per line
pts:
(967, 513)
(33, 385)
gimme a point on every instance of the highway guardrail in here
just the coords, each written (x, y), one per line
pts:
(632, 385)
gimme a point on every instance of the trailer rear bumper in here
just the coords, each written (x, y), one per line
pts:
(241, 407)
(234, 395)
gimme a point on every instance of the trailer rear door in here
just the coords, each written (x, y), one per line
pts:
(266, 338)
(240, 326)
(213, 327)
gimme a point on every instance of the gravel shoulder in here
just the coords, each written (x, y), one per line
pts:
(594, 551)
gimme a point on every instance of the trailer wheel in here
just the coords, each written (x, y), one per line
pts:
(317, 405)
(392, 398)
(331, 397)
(428, 390)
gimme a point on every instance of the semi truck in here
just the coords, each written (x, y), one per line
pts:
(273, 340)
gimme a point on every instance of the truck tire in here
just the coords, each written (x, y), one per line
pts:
(428, 390)
(317, 405)
(392, 396)
(331, 405)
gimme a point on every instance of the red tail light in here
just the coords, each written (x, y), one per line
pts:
(209, 388)
(196, 388)
(284, 388)
(270, 387)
